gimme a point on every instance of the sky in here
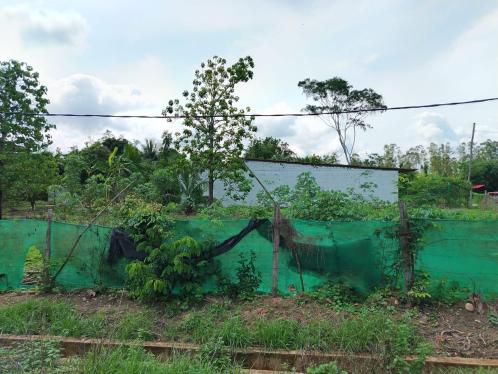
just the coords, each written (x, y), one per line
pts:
(131, 57)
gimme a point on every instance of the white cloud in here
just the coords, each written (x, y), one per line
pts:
(40, 26)
(82, 94)
(417, 54)
(434, 127)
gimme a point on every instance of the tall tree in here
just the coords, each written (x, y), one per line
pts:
(337, 95)
(31, 175)
(442, 160)
(22, 93)
(214, 128)
(269, 148)
(414, 157)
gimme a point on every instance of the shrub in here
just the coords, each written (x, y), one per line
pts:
(328, 368)
(248, 278)
(437, 190)
(336, 294)
(447, 292)
(178, 266)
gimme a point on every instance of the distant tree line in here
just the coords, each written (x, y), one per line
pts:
(216, 136)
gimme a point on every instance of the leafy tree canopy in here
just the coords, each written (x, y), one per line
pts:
(269, 148)
(214, 127)
(337, 95)
(20, 91)
(31, 175)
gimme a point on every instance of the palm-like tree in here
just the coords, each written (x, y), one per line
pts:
(150, 149)
(192, 187)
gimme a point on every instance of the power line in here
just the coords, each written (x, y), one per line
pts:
(249, 114)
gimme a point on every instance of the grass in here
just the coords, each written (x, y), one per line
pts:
(137, 361)
(368, 330)
(43, 316)
(44, 357)
(219, 328)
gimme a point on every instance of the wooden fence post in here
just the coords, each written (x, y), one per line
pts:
(49, 236)
(45, 276)
(276, 244)
(407, 258)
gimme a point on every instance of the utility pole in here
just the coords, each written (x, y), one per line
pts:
(469, 204)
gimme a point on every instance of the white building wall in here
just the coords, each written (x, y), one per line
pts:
(378, 183)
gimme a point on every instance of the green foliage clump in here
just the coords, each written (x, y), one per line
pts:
(34, 261)
(328, 368)
(23, 133)
(147, 223)
(436, 190)
(447, 292)
(269, 148)
(31, 357)
(337, 95)
(308, 201)
(336, 294)
(179, 266)
(248, 280)
(419, 292)
(216, 212)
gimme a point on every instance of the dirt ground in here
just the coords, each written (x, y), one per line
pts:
(453, 330)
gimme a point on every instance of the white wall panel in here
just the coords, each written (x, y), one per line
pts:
(370, 183)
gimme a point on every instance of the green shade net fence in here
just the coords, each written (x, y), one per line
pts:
(361, 254)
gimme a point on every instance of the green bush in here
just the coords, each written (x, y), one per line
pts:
(336, 294)
(447, 292)
(328, 368)
(179, 266)
(248, 278)
(437, 190)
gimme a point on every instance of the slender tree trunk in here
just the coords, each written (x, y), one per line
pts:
(210, 163)
(342, 141)
(210, 187)
(1, 203)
